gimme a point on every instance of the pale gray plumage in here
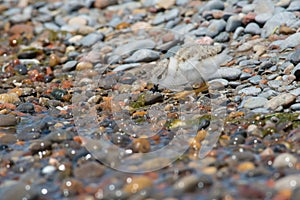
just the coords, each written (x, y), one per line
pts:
(190, 64)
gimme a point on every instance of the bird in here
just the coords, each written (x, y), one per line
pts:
(190, 64)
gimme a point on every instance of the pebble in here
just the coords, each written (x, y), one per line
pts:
(229, 73)
(164, 17)
(295, 57)
(263, 18)
(255, 79)
(290, 42)
(104, 3)
(9, 98)
(238, 31)
(295, 92)
(49, 169)
(26, 108)
(254, 102)
(126, 66)
(8, 120)
(285, 160)
(143, 55)
(234, 22)
(222, 37)
(69, 66)
(215, 27)
(84, 66)
(212, 5)
(250, 91)
(89, 170)
(137, 183)
(283, 99)
(70, 187)
(252, 28)
(289, 182)
(91, 39)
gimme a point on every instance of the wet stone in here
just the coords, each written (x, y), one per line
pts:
(21, 69)
(8, 120)
(285, 160)
(89, 170)
(289, 182)
(26, 108)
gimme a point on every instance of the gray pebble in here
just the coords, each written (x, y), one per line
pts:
(272, 76)
(233, 23)
(126, 66)
(249, 63)
(164, 17)
(201, 31)
(69, 66)
(267, 94)
(245, 76)
(229, 73)
(295, 57)
(222, 37)
(255, 79)
(254, 102)
(274, 83)
(238, 32)
(212, 5)
(283, 99)
(143, 55)
(234, 84)
(295, 92)
(8, 120)
(250, 91)
(26, 107)
(252, 28)
(295, 106)
(215, 27)
(294, 6)
(91, 39)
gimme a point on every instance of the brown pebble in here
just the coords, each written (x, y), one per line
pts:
(84, 66)
(71, 187)
(53, 60)
(137, 184)
(9, 98)
(168, 37)
(141, 145)
(245, 166)
(21, 28)
(104, 3)
(89, 170)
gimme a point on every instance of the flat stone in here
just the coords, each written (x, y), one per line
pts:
(295, 92)
(285, 160)
(104, 3)
(143, 55)
(274, 83)
(295, 106)
(263, 18)
(280, 100)
(229, 73)
(91, 39)
(255, 79)
(69, 66)
(250, 91)
(255, 102)
(26, 108)
(89, 170)
(126, 66)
